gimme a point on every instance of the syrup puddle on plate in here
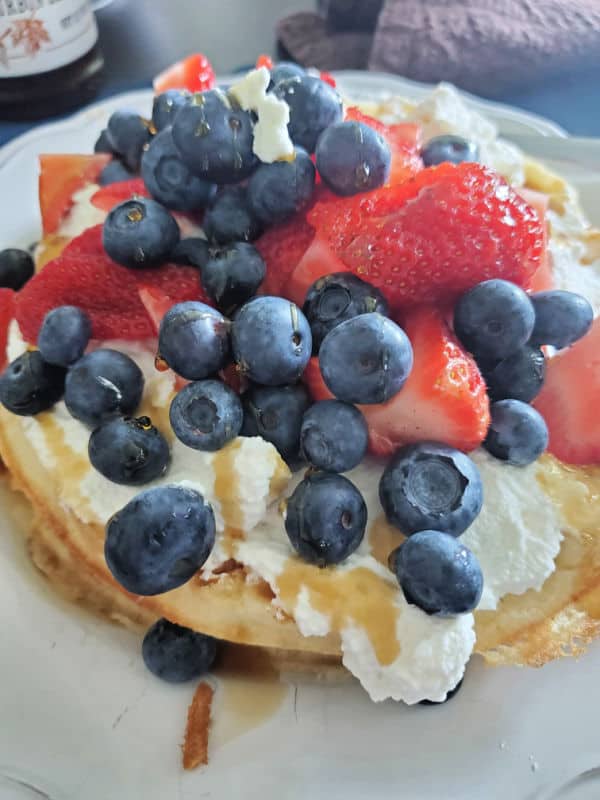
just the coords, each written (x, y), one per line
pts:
(250, 693)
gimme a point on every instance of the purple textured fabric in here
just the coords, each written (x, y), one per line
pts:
(485, 45)
(308, 40)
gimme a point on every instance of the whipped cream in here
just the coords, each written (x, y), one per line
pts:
(517, 535)
(433, 652)
(271, 138)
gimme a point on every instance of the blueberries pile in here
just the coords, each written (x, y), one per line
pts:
(505, 329)
(196, 153)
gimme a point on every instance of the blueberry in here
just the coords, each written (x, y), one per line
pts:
(229, 218)
(334, 436)
(129, 451)
(438, 574)
(520, 376)
(232, 275)
(16, 268)
(139, 233)
(29, 384)
(64, 335)
(366, 359)
(159, 540)
(194, 340)
(313, 104)
(353, 158)
(166, 105)
(286, 69)
(493, 319)
(215, 138)
(114, 172)
(206, 415)
(430, 486)
(561, 318)
(103, 384)
(190, 252)
(128, 134)
(517, 433)
(452, 693)
(278, 190)
(326, 518)
(103, 143)
(271, 341)
(169, 180)
(450, 148)
(275, 413)
(337, 297)
(177, 654)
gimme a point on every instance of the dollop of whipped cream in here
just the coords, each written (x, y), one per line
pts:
(432, 652)
(517, 535)
(445, 111)
(271, 138)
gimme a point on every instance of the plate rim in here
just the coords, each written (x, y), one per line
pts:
(381, 82)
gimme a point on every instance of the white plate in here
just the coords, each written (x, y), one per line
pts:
(80, 718)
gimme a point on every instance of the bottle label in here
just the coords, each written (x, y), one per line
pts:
(41, 35)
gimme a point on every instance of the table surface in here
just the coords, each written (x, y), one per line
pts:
(139, 39)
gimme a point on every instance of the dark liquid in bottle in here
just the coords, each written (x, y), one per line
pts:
(50, 93)
(50, 61)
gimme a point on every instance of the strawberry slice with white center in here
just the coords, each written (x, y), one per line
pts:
(570, 398)
(61, 176)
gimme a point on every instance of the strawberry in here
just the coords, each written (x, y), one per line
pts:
(194, 73)
(83, 275)
(282, 247)
(109, 196)
(444, 398)
(570, 410)
(314, 381)
(318, 260)
(404, 140)
(60, 177)
(7, 310)
(542, 279)
(264, 61)
(327, 77)
(156, 303)
(433, 237)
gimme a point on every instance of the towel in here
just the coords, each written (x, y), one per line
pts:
(484, 46)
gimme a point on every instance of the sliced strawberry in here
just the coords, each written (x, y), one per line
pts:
(264, 61)
(570, 399)
(282, 248)
(156, 303)
(404, 140)
(109, 196)
(327, 77)
(537, 200)
(194, 73)
(83, 275)
(435, 236)
(444, 398)
(7, 312)
(543, 278)
(317, 261)
(313, 379)
(60, 177)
